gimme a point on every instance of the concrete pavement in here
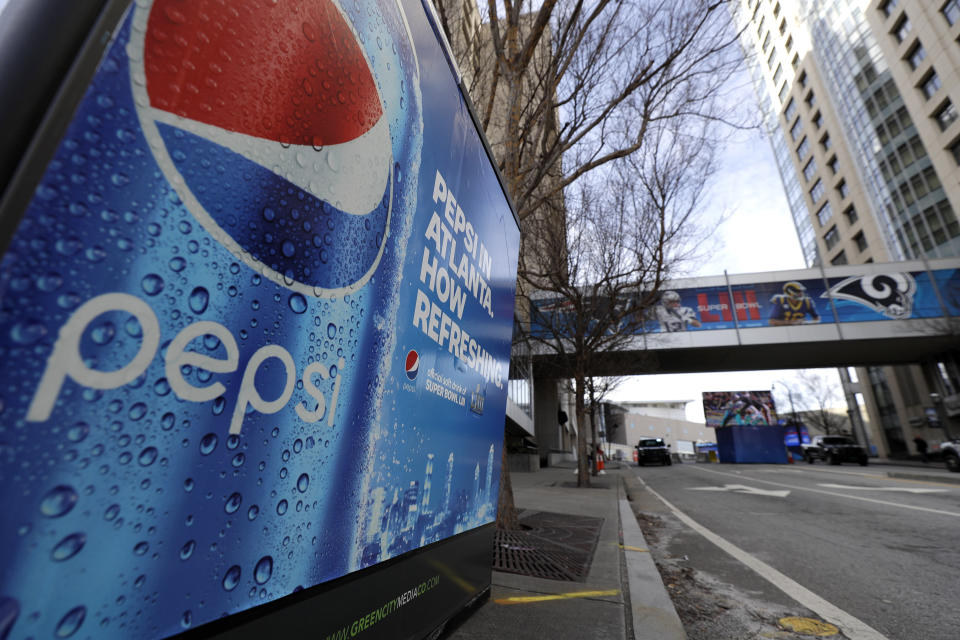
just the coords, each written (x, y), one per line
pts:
(623, 595)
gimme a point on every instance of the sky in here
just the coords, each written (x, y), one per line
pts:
(758, 235)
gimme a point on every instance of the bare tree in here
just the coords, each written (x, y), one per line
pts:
(603, 269)
(564, 87)
(566, 90)
(819, 396)
(598, 388)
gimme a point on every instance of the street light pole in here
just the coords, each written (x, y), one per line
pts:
(793, 412)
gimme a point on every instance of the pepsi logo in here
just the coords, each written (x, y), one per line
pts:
(412, 364)
(269, 122)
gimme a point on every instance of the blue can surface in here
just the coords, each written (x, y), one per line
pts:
(208, 314)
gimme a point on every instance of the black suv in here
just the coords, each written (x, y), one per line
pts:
(834, 449)
(653, 450)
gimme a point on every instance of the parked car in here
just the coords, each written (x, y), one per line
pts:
(834, 449)
(653, 450)
(950, 450)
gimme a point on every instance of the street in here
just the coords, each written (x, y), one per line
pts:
(874, 555)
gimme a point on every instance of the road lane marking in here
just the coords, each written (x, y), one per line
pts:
(853, 628)
(861, 488)
(742, 488)
(952, 514)
(559, 596)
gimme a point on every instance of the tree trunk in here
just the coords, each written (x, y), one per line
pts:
(506, 511)
(583, 473)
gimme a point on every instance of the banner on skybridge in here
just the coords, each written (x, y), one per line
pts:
(891, 295)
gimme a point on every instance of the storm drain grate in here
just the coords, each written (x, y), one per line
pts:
(554, 546)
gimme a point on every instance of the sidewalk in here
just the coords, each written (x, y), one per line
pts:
(623, 595)
(916, 470)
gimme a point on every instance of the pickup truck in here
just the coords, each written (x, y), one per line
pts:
(834, 449)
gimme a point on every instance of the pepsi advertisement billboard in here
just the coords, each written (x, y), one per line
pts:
(260, 307)
(893, 295)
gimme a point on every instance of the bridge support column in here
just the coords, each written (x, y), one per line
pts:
(546, 406)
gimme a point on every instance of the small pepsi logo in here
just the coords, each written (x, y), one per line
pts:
(413, 364)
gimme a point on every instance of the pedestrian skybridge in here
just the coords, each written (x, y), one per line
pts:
(870, 314)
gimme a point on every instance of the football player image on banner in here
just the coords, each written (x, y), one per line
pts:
(672, 316)
(739, 408)
(793, 306)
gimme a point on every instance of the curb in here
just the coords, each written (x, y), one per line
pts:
(654, 616)
(926, 477)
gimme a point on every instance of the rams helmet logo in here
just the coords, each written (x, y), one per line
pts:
(889, 294)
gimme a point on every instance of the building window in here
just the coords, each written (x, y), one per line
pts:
(790, 110)
(955, 151)
(817, 191)
(778, 74)
(783, 92)
(789, 45)
(760, 26)
(904, 118)
(902, 28)
(861, 241)
(803, 79)
(850, 213)
(916, 55)
(843, 189)
(933, 182)
(825, 142)
(796, 130)
(888, 7)
(818, 120)
(803, 149)
(831, 238)
(930, 84)
(833, 163)
(951, 11)
(840, 259)
(810, 169)
(810, 100)
(766, 42)
(776, 10)
(824, 214)
(795, 62)
(783, 26)
(945, 115)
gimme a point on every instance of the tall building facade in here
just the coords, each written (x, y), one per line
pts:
(858, 99)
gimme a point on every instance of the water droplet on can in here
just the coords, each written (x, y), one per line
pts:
(68, 547)
(232, 578)
(233, 503)
(263, 570)
(199, 298)
(72, 621)
(298, 304)
(208, 443)
(58, 501)
(152, 284)
(303, 482)
(147, 456)
(187, 549)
